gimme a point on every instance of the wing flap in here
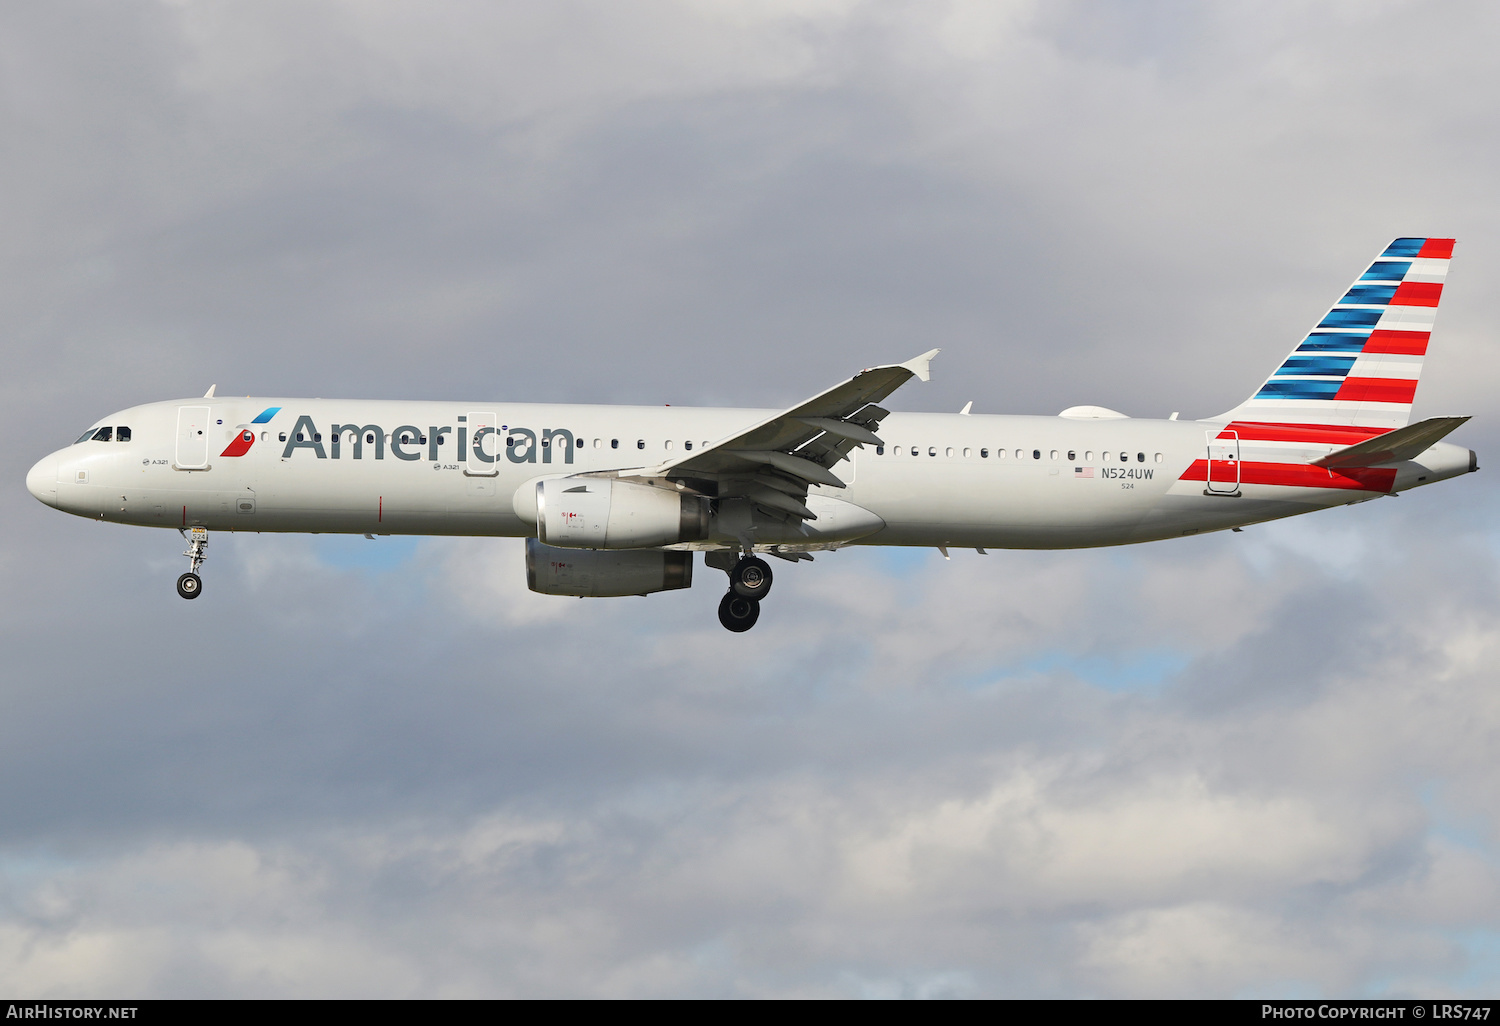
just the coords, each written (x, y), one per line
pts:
(1394, 446)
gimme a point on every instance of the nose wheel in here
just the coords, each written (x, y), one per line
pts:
(190, 585)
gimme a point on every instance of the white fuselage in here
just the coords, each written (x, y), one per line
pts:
(940, 479)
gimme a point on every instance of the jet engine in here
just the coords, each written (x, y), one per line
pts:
(606, 513)
(594, 573)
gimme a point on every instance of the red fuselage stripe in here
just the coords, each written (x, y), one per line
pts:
(1297, 475)
(1315, 434)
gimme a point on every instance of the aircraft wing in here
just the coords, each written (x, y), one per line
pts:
(1393, 446)
(774, 462)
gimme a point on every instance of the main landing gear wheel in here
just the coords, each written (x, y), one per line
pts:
(738, 613)
(751, 579)
(189, 586)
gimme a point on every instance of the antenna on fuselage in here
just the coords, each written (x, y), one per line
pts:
(210, 393)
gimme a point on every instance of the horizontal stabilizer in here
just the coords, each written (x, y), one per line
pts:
(1393, 446)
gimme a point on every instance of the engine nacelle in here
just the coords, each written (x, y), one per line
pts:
(606, 513)
(598, 574)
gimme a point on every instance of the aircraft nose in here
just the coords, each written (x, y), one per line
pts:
(41, 480)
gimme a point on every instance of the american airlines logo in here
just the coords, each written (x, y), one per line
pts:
(407, 442)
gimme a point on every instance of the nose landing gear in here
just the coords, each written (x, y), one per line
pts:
(749, 582)
(190, 585)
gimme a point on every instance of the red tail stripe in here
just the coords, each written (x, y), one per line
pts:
(1377, 390)
(1417, 293)
(1298, 475)
(1437, 249)
(1334, 434)
(1402, 343)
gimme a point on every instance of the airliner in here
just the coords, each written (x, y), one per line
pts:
(615, 500)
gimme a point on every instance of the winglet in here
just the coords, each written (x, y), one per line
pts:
(920, 365)
(210, 393)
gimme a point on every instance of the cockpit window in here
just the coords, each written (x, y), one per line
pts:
(85, 436)
(122, 434)
(103, 434)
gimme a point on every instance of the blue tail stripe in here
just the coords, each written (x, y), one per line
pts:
(1338, 318)
(1299, 389)
(1334, 342)
(1369, 295)
(1386, 270)
(1404, 248)
(1331, 366)
(266, 415)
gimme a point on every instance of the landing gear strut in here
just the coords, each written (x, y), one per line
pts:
(190, 585)
(749, 582)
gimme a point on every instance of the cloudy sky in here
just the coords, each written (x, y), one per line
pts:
(1247, 764)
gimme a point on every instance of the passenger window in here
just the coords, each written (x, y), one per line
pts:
(1158, 457)
(688, 446)
(1088, 456)
(932, 450)
(510, 441)
(614, 443)
(984, 454)
(968, 453)
(1036, 454)
(668, 444)
(299, 436)
(1140, 457)
(640, 443)
(598, 443)
(103, 434)
(1054, 454)
(999, 454)
(948, 452)
(122, 434)
(1072, 455)
(1124, 457)
(281, 437)
(880, 450)
(914, 451)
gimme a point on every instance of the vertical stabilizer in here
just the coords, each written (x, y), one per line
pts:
(1359, 367)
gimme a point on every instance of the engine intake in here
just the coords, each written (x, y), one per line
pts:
(606, 513)
(592, 573)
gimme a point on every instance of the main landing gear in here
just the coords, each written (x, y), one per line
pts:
(749, 582)
(190, 585)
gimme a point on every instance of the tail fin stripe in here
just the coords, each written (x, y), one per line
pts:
(1387, 270)
(1437, 249)
(1378, 390)
(1400, 343)
(1417, 293)
(1369, 295)
(1300, 388)
(1340, 317)
(1406, 248)
(1334, 342)
(1320, 366)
